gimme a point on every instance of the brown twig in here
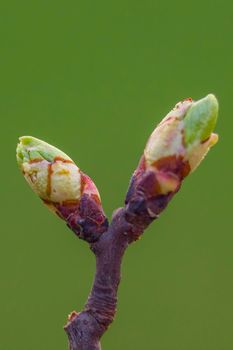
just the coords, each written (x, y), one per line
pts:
(85, 329)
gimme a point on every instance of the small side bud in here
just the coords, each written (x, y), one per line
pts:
(175, 148)
(68, 192)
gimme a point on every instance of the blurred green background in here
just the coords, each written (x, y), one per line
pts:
(94, 78)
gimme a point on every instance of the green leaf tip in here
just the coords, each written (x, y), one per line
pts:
(31, 149)
(200, 119)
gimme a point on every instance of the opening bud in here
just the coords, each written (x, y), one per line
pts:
(68, 192)
(175, 148)
(185, 133)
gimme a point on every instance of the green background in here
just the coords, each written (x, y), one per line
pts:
(94, 78)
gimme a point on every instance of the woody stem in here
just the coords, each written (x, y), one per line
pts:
(85, 329)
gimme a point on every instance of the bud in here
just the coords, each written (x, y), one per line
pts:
(62, 186)
(186, 132)
(175, 148)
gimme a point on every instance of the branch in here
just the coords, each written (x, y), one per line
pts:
(173, 151)
(85, 329)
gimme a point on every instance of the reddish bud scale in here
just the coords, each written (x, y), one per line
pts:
(142, 205)
(85, 217)
(145, 198)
